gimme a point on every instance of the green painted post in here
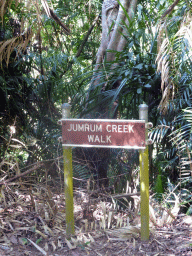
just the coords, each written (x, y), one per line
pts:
(68, 178)
(144, 179)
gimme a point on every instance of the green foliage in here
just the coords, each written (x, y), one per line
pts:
(189, 212)
(172, 135)
(38, 81)
(123, 169)
(52, 70)
(158, 188)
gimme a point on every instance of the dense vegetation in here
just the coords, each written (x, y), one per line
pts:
(47, 56)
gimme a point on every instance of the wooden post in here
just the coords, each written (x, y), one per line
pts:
(144, 179)
(68, 179)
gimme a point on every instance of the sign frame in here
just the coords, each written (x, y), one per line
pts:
(114, 122)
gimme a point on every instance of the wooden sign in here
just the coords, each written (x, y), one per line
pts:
(103, 133)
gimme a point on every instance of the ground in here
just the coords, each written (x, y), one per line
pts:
(32, 222)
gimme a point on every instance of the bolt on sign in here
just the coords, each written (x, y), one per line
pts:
(103, 133)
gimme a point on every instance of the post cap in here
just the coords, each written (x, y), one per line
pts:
(143, 112)
(143, 106)
(65, 105)
(66, 109)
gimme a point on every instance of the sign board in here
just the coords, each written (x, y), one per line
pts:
(103, 133)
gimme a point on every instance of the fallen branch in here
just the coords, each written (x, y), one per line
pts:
(126, 195)
(22, 174)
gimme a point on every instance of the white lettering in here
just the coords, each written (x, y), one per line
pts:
(114, 128)
(98, 128)
(108, 128)
(92, 128)
(70, 128)
(108, 139)
(91, 138)
(120, 128)
(97, 138)
(102, 141)
(80, 127)
(74, 128)
(86, 127)
(125, 128)
(131, 128)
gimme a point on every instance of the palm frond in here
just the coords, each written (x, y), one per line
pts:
(159, 133)
(20, 43)
(33, 26)
(175, 50)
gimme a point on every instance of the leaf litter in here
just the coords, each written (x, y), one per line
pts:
(32, 222)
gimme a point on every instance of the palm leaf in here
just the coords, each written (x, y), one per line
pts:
(7, 47)
(174, 52)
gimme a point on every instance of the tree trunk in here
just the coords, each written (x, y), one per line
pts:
(114, 18)
(113, 29)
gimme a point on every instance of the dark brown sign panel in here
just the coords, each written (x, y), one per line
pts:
(103, 133)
